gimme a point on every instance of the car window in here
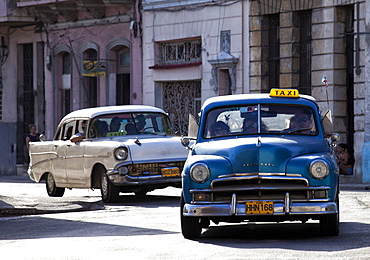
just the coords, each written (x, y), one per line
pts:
(260, 119)
(65, 131)
(129, 124)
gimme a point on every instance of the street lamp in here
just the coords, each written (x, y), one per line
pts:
(3, 51)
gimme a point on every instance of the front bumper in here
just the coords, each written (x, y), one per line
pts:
(280, 208)
(126, 180)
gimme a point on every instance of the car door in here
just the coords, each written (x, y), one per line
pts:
(75, 153)
(60, 144)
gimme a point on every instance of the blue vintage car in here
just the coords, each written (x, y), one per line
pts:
(260, 158)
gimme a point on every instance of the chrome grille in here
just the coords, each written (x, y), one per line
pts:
(257, 187)
(149, 169)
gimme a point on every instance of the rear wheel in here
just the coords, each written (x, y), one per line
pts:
(191, 227)
(109, 191)
(51, 188)
(329, 224)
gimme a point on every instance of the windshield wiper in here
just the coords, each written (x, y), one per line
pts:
(295, 130)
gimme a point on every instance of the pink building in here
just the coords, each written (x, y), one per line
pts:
(62, 56)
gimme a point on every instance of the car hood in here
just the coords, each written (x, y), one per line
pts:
(154, 148)
(261, 154)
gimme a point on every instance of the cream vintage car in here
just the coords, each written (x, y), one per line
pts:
(125, 149)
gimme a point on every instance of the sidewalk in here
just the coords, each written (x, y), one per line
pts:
(21, 196)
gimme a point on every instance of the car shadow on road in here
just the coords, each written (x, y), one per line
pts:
(306, 236)
(29, 228)
(147, 201)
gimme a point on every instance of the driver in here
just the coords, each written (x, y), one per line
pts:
(140, 123)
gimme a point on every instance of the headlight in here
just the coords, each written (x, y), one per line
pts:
(121, 153)
(319, 169)
(199, 172)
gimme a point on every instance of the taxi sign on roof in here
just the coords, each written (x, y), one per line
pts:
(284, 92)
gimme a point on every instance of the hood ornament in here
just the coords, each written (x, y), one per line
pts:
(259, 143)
(137, 141)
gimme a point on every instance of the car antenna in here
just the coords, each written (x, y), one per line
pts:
(325, 80)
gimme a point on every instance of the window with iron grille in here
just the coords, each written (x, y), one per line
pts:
(181, 98)
(274, 51)
(305, 54)
(180, 52)
(270, 52)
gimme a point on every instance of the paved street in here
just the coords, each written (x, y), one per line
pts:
(149, 228)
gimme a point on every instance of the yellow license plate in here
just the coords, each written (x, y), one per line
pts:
(170, 172)
(259, 207)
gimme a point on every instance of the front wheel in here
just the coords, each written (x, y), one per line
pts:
(191, 227)
(51, 188)
(329, 224)
(109, 192)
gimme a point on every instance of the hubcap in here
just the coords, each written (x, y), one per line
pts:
(104, 185)
(50, 181)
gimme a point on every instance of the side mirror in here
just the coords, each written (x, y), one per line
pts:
(335, 137)
(185, 141)
(42, 137)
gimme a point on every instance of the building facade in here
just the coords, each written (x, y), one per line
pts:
(59, 56)
(193, 50)
(63, 56)
(319, 48)
(316, 46)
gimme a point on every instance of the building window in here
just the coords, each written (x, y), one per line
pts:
(274, 51)
(90, 84)
(305, 54)
(125, 58)
(270, 52)
(180, 52)
(66, 84)
(123, 77)
(181, 98)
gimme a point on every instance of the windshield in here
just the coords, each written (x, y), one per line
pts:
(129, 124)
(260, 119)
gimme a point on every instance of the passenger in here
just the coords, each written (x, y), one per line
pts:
(219, 129)
(102, 127)
(115, 124)
(130, 129)
(344, 160)
(79, 136)
(250, 125)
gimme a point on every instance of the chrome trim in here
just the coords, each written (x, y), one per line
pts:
(173, 160)
(259, 174)
(238, 178)
(113, 173)
(215, 190)
(233, 204)
(224, 209)
(287, 203)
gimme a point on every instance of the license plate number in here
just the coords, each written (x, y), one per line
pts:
(170, 172)
(259, 207)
